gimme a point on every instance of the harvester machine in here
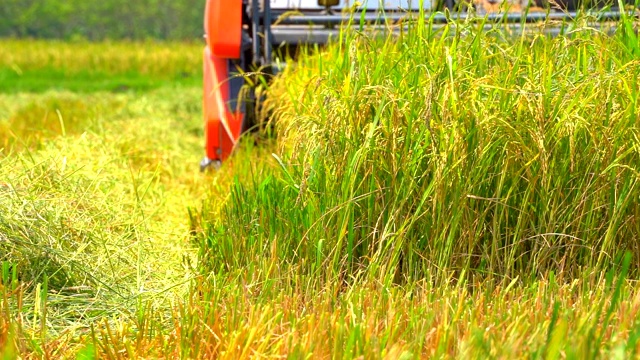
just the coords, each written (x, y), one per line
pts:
(242, 36)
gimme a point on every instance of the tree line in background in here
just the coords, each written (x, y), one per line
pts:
(102, 19)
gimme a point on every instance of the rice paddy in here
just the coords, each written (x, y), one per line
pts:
(454, 192)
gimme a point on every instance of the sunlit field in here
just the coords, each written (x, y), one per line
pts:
(451, 193)
(80, 66)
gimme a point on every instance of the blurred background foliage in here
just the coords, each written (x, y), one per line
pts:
(102, 19)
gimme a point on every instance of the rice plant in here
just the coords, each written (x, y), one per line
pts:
(451, 153)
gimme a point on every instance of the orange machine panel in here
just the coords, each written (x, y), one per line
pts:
(223, 125)
(223, 27)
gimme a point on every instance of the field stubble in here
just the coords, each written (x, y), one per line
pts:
(95, 194)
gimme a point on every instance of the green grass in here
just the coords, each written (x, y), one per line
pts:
(447, 193)
(87, 82)
(38, 66)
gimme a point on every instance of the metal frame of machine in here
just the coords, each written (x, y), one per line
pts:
(240, 38)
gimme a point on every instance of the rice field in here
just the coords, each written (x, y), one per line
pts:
(455, 192)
